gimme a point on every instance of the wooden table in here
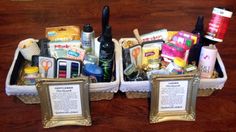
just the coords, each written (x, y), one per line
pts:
(21, 19)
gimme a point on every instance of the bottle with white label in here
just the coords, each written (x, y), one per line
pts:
(207, 61)
(87, 39)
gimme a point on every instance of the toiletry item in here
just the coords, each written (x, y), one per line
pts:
(106, 56)
(105, 23)
(93, 70)
(47, 67)
(60, 49)
(28, 48)
(161, 34)
(131, 72)
(63, 33)
(31, 73)
(136, 55)
(207, 61)
(176, 66)
(76, 54)
(87, 39)
(67, 68)
(218, 24)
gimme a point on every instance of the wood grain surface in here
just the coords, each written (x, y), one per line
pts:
(21, 19)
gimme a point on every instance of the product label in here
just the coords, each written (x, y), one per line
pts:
(173, 95)
(65, 100)
(106, 65)
(206, 63)
(217, 26)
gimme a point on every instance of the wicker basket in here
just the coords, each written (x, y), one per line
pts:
(141, 89)
(29, 94)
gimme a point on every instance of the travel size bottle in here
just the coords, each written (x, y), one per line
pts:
(106, 55)
(87, 39)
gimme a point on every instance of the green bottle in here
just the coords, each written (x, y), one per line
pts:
(106, 56)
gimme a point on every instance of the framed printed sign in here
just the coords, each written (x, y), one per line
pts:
(173, 97)
(64, 101)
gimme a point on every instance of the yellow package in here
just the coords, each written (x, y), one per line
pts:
(149, 53)
(63, 33)
(171, 34)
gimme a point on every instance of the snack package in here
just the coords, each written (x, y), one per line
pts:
(171, 34)
(188, 36)
(182, 42)
(170, 51)
(63, 33)
(149, 53)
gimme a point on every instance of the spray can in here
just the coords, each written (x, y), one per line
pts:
(207, 61)
(218, 24)
(87, 39)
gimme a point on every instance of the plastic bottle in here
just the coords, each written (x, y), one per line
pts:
(31, 73)
(87, 37)
(106, 55)
(177, 66)
(207, 61)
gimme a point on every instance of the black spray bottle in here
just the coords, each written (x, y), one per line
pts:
(196, 49)
(106, 55)
(105, 22)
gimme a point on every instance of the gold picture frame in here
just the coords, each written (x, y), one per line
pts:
(173, 97)
(64, 101)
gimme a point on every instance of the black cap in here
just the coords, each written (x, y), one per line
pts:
(87, 28)
(200, 23)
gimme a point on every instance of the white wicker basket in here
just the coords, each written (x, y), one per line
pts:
(31, 91)
(144, 86)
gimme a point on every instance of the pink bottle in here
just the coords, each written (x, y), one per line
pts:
(207, 61)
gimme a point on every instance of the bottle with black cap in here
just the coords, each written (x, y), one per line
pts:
(195, 50)
(105, 22)
(87, 39)
(106, 55)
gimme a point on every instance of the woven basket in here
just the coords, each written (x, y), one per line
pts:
(29, 95)
(141, 89)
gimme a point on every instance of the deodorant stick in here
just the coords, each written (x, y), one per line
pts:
(207, 61)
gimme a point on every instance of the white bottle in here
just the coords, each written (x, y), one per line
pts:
(207, 61)
(87, 39)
